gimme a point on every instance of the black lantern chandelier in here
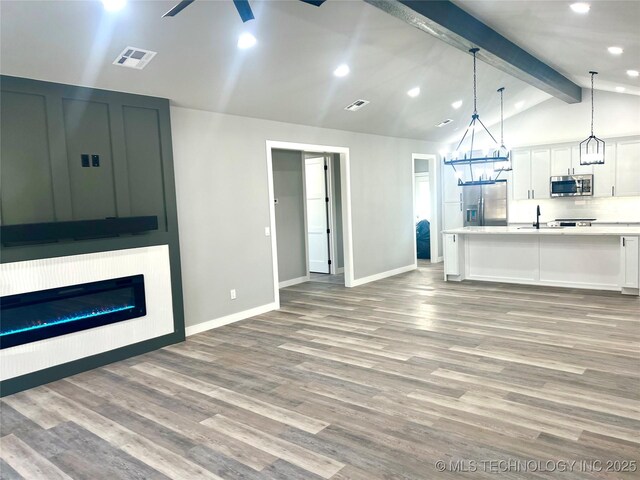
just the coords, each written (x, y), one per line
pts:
(476, 156)
(592, 148)
(502, 151)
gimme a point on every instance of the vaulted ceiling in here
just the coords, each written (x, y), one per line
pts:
(288, 75)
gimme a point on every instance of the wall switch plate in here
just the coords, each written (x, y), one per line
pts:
(95, 160)
(84, 160)
(232, 292)
(267, 232)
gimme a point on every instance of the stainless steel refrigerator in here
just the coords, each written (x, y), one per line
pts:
(485, 205)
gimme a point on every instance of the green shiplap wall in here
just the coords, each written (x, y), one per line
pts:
(45, 128)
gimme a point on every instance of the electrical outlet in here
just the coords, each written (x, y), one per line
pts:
(95, 160)
(232, 292)
(267, 232)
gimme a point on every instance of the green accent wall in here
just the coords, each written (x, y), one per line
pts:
(45, 129)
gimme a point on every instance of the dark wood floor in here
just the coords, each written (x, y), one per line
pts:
(379, 381)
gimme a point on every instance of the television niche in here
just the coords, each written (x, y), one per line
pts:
(33, 316)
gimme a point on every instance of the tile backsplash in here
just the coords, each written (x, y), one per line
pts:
(611, 209)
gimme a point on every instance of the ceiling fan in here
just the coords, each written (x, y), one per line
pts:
(243, 7)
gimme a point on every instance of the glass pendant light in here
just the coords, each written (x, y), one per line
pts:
(470, 156)
(592, 148)
(502, 151)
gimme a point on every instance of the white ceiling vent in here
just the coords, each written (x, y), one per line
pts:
(357, 105)
(134, 57)
(445, 122)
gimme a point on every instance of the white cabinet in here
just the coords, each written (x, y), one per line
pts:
(629, 262)
(565, 160)
(540, 173)
(531, 172)
(619, 176)
(604, 175)
(521, 178)
(576, 168)
(451, 256)
(561, 161)
(627, 168)
(452, 195)
(451, 191)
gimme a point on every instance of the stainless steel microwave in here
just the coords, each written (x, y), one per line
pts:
(571, 186)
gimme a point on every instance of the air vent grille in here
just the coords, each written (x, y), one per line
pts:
(357, 105)
(134, 57)
(444, 122)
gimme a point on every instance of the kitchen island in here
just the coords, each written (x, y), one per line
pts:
(601, 258)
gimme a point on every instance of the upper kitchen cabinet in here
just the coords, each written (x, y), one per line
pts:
(604, 176)
(452, 192)
(565, 160)
(627, 168)
(531, 172)
(73, 153)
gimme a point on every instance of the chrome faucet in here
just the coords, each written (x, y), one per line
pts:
(537, 223)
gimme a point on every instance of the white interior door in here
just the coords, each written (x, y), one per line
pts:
(317, 218)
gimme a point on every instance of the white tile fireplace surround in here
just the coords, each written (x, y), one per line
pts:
(34, 275)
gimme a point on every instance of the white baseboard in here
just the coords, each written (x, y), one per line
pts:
(380, 276)
(226, 320)
(339, 270)
(437, 260)
(294, 281)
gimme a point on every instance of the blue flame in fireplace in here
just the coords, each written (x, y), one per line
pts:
(73, 318)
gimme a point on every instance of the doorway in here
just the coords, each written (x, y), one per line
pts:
(310, 214)
(425, 207)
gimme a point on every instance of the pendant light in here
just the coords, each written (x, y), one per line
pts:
(592, 148)
(502, 151)
(470, 156)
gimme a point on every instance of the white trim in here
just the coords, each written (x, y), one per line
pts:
(435, 212)
(345, 172)
(272, 227)
(294, 281)
(227, 319)
(305, 216)
(380, 276)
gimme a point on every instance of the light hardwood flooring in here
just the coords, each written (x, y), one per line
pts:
(379, 381)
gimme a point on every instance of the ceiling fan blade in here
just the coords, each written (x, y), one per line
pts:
(316, 3)
(244, 9)
(178, 8)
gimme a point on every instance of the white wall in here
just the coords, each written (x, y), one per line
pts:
(554, 121)
(222, 195)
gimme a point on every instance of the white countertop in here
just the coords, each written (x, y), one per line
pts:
(514, 230)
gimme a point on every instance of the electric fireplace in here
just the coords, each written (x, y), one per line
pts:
(33, 316)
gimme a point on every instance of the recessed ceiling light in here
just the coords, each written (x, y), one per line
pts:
(519, 104)
(457, 104)
(620, 89)
(113, 5)
(580, 7)
(414, 92)
(246, 40)
(342, 70)
(615, 50)
(632, 73)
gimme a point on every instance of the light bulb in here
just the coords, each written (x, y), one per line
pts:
(246, 40)
(113, 5)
